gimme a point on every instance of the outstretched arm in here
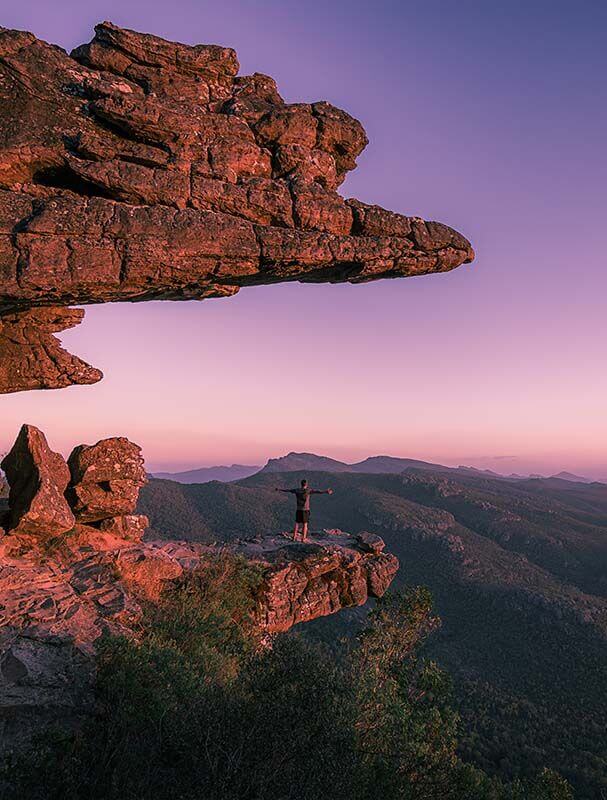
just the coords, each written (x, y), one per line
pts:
(288, 491)
(321, 491)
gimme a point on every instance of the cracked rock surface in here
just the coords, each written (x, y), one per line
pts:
(138, 169)
(32, 358)
(74, 566)
(105, 479)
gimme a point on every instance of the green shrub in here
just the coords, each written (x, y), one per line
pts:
(198, 709)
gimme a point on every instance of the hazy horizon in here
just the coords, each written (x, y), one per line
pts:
(483, 116)
(495, 464)
(503, 465)
(481, 464)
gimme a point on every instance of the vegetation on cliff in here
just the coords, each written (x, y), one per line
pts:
(198, 707)
(517, 571)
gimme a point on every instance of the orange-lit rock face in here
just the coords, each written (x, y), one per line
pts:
(38, 478)
(137, 169)
(105, 479)
(57, 603)
(306, 581)
(73, 565)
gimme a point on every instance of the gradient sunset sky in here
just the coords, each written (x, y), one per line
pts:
(489, 116)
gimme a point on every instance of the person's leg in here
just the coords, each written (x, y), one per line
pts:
(295, 531)
(304, 532)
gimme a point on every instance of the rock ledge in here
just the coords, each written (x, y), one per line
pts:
(74, 566)
(140, 169)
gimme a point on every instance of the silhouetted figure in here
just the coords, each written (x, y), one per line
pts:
(302, 514)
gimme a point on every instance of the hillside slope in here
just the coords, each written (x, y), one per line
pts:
(518, 574)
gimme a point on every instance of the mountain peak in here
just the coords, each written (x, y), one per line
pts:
(570, 476)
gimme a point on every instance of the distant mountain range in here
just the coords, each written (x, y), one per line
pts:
(518, 569)
(296, 462)
(374, 465)
(206, 474)
(389, 465)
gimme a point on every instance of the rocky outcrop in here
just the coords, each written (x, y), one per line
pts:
(38, 478)
(304, 581)
(32, 358)
(105, 479)
(138, 169)
(67, 578)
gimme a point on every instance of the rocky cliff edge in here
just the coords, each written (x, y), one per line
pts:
(74, 565)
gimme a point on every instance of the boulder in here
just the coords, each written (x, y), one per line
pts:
(38, 478)
(105, 479)
(381, 570)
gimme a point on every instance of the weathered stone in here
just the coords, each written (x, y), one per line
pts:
(340, 135)
(138, 169)
(129, 526)
(147, 571)
(370, 542)
(252, 97)
(292, 124)
(295, 161)
(45, 679)
(128, 47)
(376, 221)
(232, 158)
(266, 202)
(305, 581)
(318, 209)
(37, 478)
(381, 571)
(56, 601)
(32, 358)
(105, 479)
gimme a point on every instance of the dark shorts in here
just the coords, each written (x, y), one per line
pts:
(302, 516)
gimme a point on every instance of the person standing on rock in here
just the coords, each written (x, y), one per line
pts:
(302, 514)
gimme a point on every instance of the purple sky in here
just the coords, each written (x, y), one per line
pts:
(488, 116)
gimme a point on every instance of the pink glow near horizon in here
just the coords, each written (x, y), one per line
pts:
(499, 364)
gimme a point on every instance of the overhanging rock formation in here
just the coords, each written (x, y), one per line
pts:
(138, 169)
(75, 565)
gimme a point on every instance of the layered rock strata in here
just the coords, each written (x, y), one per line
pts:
(138, 169)
(303, 581)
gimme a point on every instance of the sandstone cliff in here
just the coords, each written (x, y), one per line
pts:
(73, 566)
(137, 169)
